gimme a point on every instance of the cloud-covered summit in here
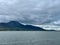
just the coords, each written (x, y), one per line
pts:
(30, 11)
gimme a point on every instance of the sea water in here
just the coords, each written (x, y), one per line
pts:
(29, 38)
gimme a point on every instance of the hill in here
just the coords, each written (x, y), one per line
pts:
(16, 26)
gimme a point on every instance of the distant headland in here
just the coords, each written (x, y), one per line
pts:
(16, 26)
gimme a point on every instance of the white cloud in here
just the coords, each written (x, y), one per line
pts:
(56, 22)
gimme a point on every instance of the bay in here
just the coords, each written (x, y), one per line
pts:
(29, 38)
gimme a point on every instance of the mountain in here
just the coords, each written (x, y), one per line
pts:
(14, 25)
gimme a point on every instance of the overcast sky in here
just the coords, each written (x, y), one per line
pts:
(30, 11)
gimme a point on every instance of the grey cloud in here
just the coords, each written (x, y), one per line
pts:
(30, 11)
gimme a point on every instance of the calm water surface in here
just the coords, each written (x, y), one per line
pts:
(29, 38)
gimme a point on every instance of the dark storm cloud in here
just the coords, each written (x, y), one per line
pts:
(30, 11)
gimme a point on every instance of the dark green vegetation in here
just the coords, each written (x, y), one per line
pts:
(17, 29)
(16, 26)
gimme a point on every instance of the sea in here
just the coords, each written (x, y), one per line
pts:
(29, 38)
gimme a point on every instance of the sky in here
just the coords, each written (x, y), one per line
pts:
(38, 12)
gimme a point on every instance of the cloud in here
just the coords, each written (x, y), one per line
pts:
(30, 11)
